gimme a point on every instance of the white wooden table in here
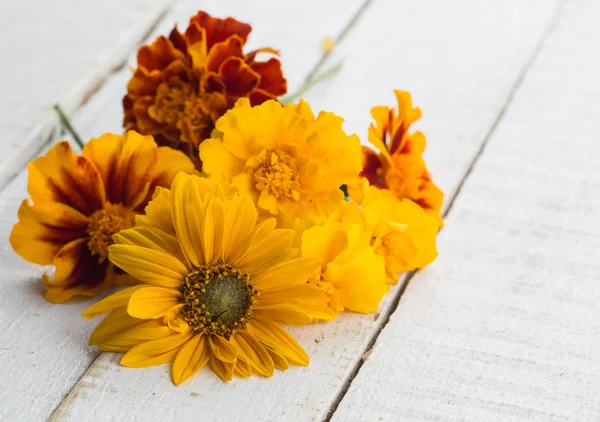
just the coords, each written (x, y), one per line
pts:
(505, 325)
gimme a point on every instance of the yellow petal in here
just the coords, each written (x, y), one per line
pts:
(150, 238)
(116, 321)
(294, 294)
(214, 223)
(192, 356)
(170, 163)
(242, 368)
(286, 274)
(224, 370)
(217, 161)
(116, 300)
(277, 339)
(264, 248)
(326, 242)
(155, 352)
(188, 214)
(240, 219)
(150, 266)
(222, 349)
(158, 212)
(152, 302)
(253, 353)
(131, 337)
(284, 313)
(278, 361)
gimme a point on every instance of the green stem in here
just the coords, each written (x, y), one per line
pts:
(311, 83)
(66, 125)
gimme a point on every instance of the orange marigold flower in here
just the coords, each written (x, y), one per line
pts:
(185, 82)
(399, 166)
(80, 201)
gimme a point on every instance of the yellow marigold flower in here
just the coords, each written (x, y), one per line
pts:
(80, 201)
(351, 273)
(217, 287)
(185, 82)
(291, 163)
(399, 166)
(403, 233)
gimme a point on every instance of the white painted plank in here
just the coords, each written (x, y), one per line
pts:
(59, 52)
(493, 44)
(43, 347)
(505, 325)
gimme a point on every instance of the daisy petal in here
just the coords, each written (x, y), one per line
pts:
(155, 352)
(188, 214)
(192, 356)
(276, 338)
(293, 294)
(284, 313)
(224, 370)
(242, 368)
(286, 274)
(278, 361)
(116, 300)
(214, 222)
(150, 238)
(152, 302)
(145, 331)
(253, 353)
(240, 219)
(222, 349)
(150, 266)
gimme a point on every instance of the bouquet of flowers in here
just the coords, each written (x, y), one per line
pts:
(223, 214)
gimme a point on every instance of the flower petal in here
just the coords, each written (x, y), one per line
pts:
(284, 313)
(67, 178)
(127, 165)
(253, 353)
(293, 294)
(155, 352)
(240, 220)
(158, 212)
(188, 214)
(114, 301)
(214, 224)
(44, 229)
(242, 368)
(222, 349)
(151, 238)
(150, 266)
(278, 361)
(286, 274)
(192, 356)
(152, 302)
(276, 338)
(143, 332)
(223, 370)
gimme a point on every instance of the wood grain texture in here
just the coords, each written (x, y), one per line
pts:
(59, 52)
(43, 347)
(505, 325)
(479, 51)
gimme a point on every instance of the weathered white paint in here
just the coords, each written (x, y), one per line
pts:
(43, 347)
(505, 325)
(59, 52)
(479, 52)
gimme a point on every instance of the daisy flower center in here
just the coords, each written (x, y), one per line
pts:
(278, 174)
(218, 299)
(103, 224)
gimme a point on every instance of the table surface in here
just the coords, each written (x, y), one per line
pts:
(504, 325)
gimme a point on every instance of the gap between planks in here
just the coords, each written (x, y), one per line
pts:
(385, 318)
(351, 22)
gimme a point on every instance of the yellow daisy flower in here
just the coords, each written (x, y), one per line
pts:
(80, 201)
(403, 232)
(290, 162)
(351, 273)
(217, 286)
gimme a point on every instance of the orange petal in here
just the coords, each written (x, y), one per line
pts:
(45, 228)
(127, 164)
(271, 76)
(218, 30)
(232, 47)
(67, 178)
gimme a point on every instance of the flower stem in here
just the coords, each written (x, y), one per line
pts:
(311, 83)
(66, 125)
